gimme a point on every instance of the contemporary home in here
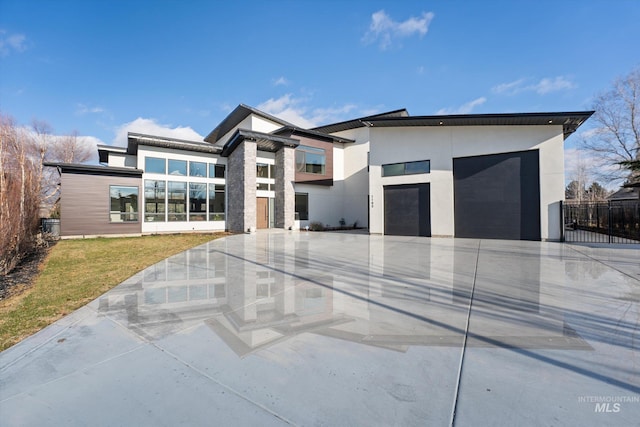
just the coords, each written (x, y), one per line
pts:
(480, 176)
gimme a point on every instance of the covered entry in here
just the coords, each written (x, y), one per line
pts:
(497, 196)
(407, 210)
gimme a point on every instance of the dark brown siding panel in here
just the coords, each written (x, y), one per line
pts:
(310, 178)
(84, 205)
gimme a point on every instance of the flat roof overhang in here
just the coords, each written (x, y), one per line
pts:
(293, 130)
(136, 139)
(77, 168)
(570, 121)
(265, 141)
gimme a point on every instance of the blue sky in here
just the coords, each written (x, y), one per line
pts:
(177, 68)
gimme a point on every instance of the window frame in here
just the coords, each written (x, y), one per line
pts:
(146, 165)
(297, 213)
(135, 214)
(306, 150)
(178, 161)
(387, 170)
(171, 211)
(157, 216)
(193, 167)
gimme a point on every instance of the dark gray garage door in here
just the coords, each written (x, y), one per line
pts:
(406, 210)
(497, 196)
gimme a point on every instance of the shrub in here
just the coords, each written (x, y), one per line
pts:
(316, 226)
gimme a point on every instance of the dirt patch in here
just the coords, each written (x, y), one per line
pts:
(23, 276)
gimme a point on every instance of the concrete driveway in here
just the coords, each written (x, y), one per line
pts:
(345, 329)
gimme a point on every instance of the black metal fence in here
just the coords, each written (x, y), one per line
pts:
(602, 222)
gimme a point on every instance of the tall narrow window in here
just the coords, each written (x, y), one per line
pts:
(197, 201)
(154, 203)
(124, 203)
(177, 201)
(216, 202)
(302, 206)
(216, 170)
(262, 170)
(310, 160)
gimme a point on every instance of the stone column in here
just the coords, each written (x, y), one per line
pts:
(241, 188)
(285, 193)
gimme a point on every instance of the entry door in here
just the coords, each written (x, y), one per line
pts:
(407, 210)
(262, 212)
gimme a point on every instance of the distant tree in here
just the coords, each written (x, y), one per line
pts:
(575, 191)
(597, 193)
(616, 138)
(70, 149)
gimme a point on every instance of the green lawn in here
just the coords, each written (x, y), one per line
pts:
(76, 272)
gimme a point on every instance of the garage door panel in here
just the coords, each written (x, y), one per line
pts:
(407, 210)
(497, 196)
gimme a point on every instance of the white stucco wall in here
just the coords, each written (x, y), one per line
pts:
(122, 160)
(251, 122)
(245, 124)
(325, 203)
(441, 145)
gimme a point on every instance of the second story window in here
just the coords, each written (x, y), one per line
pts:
(197, 169)
(310, 160)
(155, 165)
(177, 167)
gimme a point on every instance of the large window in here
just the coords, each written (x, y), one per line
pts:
(177, 167)
(310, 160)
(198, 169)
(216, 202)
(302, 206)
(177, 201)
(197, 201)
(155, 165)
(154, 204)
(407, 168)
(124, 203)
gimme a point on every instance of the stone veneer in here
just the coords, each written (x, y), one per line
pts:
(285, 193)
(241, 188)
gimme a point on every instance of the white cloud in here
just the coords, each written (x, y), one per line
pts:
(152, 127)
(384, 30)
(297, 112)
(555, 84)
(85, 109)
(509, 88)
(542, 87)
(464, 108)
(11, 42)
(280, 81)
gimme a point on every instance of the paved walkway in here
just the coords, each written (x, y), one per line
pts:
(345, 329)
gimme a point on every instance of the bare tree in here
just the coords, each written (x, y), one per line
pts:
(19, 194)
(25, 183)
(580, 175)
(616, 138)
(70, 149)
